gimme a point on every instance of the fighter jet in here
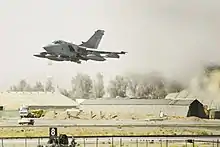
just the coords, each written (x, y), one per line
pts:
(60, 50)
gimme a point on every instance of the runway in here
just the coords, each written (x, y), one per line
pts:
(108, 123)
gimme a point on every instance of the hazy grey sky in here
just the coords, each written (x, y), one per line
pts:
(170, 36)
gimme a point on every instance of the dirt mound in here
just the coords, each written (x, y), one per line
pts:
(191, 118)
(65, 115)
(49, 115)
(92, 115)
(195, 119)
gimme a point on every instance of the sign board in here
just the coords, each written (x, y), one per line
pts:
(53, 132)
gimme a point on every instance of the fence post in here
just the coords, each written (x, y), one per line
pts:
(2, 143)
(25, 141)
(217, 142)
(120, 143)
(38, 141)
(146, 143)
(112, 141)
(161, 143)
(84, 142)
(167, 143)
(137, 142)
(97, 139)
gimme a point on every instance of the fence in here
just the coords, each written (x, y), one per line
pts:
(119, 141)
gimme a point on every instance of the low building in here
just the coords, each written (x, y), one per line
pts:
(145, 107)
(35, 100)
(212, 101)
(181, 95)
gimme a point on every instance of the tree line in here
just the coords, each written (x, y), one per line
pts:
(24, 86)
(149, 86)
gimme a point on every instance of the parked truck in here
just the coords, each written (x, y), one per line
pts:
(28, 121)
(23, 111)
(25, 117)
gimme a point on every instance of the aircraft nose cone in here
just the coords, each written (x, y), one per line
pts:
(47, 47)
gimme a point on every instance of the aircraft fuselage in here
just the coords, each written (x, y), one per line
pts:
(61, 49)
(71, 50)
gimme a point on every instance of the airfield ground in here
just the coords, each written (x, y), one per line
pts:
(117, 130)
(85, 131)
(62, 119)
(49, 120)
(60, 115)
(76, 131)
(26, 132)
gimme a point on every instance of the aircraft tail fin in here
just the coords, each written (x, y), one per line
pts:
(94, 41)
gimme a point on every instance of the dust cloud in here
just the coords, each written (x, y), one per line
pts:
(206, 86)
(183, 37)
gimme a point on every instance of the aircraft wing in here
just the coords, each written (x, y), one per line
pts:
(104, 52)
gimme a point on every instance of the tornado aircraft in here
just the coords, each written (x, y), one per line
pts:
(60, 50)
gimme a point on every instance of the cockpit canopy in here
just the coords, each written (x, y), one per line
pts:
(59, 42)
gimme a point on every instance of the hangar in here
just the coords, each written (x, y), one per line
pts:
(145, 107)
(35, 100)
(211, 101)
